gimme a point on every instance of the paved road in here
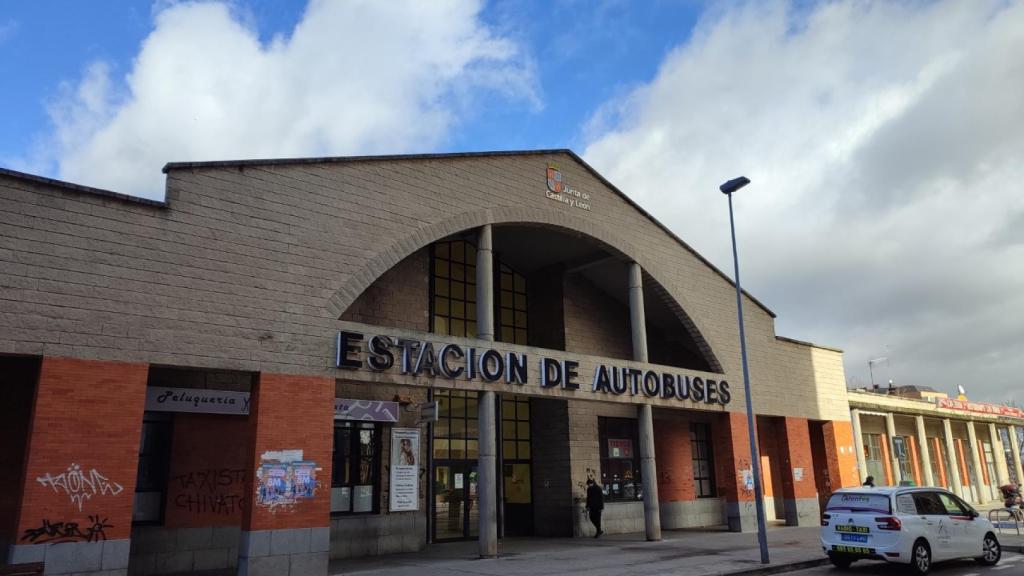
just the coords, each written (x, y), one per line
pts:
(1010, 565)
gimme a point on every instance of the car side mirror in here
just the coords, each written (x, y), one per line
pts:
(973, 514)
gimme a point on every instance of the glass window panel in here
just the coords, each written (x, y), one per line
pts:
(471, 311)
(441, 249)
(470, 292)
(443, 405)
(506, 317)
(458, 290)
(508, 429)
(459, 309)
(520, 336)
(459, 251)
(521, 301)
(524, 450)
(440, 448)
(520, 319)
(508, 409)
(472, 429)
(458, 272)
(441, 325)
(441, 287)
(471, 329)
(441, 268)
(458, 448)
(458, 428)
(506, 298)
(458, 401)
(507, 334)
(508, 448)
(506, 281)
(472, 450)
(523, 410)
(523, 430)
(457, 328)
(470, 255)
(441, 427)
(520, 283)
(471, 403)
(441, 306)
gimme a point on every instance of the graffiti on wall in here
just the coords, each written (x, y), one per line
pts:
(284, 479)
(213, 490)
(58, 532)
(79, 485)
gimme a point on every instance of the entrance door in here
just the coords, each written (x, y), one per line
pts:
(517, 497)
(456, 514)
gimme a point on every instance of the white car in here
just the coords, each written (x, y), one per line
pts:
(916, 526)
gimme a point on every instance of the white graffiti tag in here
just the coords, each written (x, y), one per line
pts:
(80, 486)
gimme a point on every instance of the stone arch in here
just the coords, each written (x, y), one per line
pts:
(398, 250)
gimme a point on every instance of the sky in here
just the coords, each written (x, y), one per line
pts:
(884, 140)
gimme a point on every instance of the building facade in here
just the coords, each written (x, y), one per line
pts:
(923, 438)
(292, 361)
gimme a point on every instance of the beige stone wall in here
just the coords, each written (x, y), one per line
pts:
(249, 267)
(595, 323)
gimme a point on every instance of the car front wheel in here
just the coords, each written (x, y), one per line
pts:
(921, 558)
(991, 551)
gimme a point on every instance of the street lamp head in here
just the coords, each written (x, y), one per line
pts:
(734, 185)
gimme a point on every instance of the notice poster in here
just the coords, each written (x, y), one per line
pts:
(405, 451)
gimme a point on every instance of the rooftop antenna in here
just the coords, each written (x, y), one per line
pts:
(871, 366)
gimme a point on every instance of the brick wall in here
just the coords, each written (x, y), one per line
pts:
(796, 451)
(673, 454)
(732, 455)
(399, 298)
(17, 391)
(595, 323)
(86, 424)
(289, 413)
(839, 451)
(207, 476)
(546, 321)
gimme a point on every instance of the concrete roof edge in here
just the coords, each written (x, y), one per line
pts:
(441, 155)
(71, 186)
(810, 344)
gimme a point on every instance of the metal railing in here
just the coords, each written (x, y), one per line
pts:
(1010, 516)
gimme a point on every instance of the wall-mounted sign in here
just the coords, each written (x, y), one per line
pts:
(405, 452)
(979, 407)
(560, 191)
(204, 401)
(365, 410)
(196, 400)
(430, 359)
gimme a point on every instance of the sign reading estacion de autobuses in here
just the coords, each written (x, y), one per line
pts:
(980, 407)
(439, 359)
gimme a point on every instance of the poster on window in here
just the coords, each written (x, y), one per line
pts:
(405, 451)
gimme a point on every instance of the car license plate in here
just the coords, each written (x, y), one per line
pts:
(852, 549)
(849, 529)
(854, 537)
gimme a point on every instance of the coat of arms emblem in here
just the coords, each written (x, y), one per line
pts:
(554, 179)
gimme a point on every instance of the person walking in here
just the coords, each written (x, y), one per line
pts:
(595, 505)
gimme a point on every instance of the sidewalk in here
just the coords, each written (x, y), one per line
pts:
(690, 553)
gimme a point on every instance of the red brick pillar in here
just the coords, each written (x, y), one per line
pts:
(840, 452)
(678, 501)
(732, 463)
(799, 490)
(83, 451)
(285, 524)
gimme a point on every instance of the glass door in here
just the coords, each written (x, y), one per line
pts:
(456, 514)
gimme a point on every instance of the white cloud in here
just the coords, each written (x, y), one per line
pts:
(885, 144)
(353, 77)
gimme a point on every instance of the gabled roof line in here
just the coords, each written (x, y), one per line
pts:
(80, 188)
(435, 156)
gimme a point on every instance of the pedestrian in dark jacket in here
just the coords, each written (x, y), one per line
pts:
(595, 504)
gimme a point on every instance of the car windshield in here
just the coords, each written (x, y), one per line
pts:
(859, 502)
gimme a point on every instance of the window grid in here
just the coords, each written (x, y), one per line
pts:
(456, 430)
(511, 306)
(703, 461)
(620, 458)
(453, 288)
(515, 428)
(356, 460)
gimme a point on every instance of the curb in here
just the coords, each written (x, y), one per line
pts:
(1018, 548)
(779, 568)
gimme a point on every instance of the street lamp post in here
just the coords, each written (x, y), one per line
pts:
(728, 188)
